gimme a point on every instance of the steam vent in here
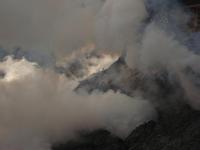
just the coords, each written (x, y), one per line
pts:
(194, 6)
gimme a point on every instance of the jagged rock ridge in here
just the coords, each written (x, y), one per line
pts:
(160, 86)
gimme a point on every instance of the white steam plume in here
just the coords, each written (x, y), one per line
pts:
(154, 34)
(38, 107)
(118, 23)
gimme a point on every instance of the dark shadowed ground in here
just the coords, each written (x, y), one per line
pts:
(170, 132)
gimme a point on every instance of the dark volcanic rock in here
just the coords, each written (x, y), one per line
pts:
(180, 131)
(171, 132)
(190, 2)
(97, 140)
(118, 77)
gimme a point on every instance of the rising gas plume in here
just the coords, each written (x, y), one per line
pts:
(39, 107)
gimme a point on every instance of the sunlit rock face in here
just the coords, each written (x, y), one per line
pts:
(85, 61)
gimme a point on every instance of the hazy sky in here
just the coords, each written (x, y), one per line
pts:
(47, 24)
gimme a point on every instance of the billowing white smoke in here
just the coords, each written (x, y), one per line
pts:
(118, 22)
(125, 24)
(38, 107)
(118, 25)
(154, 40)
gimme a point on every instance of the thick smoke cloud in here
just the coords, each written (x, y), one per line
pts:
(118, 22)
(38, 107)
(155, 36)
(147, 29)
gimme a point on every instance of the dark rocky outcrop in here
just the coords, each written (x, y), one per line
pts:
(170, 132)
(97, 140)
(107, 79)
